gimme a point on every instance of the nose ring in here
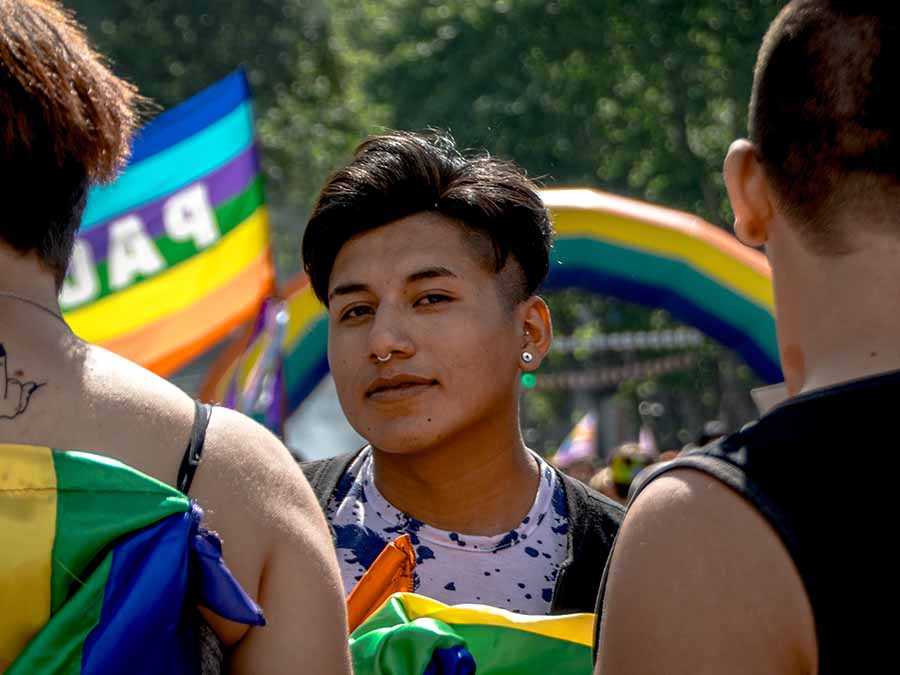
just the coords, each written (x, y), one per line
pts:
(385, 359)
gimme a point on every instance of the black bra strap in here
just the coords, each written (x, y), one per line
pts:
(191, 459)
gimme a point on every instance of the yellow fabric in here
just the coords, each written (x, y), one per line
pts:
(175, 289)
(577, 628)
(27, 531)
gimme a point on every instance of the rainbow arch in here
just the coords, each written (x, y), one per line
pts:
(605, 244)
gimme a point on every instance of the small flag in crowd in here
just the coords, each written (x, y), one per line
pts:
(580, 444)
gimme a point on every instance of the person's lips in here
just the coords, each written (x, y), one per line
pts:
(397, 387)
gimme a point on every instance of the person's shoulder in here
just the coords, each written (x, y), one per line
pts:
(705, 582)
(243, 447)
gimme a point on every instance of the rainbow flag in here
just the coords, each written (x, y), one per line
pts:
(257, 388)
(305, 322)
(414, 635)
(175, 253)
(101, 567)
(580, 444)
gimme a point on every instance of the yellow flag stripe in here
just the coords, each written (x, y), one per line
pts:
(175, 289)
(27, 531)
(577, 628)
(669, 243)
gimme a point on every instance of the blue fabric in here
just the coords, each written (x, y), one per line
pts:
(166, 172)
(191, 116)
(451, 661)
(219, 591)
(158, 575)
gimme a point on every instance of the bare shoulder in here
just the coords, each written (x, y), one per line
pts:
(244, 463)
(700, 583)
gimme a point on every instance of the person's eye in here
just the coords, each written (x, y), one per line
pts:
(432, 299)
(355, 312)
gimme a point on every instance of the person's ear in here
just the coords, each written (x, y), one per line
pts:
(537, 333)
(749, 192)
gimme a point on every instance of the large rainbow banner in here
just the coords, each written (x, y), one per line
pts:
(605, 244)
(175, 253)
(659, 257)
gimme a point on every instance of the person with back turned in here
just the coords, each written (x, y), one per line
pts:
(740, 557)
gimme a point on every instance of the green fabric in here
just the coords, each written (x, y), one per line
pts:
(405, 649)
(57, 649)
(388, 643)
(98, 501)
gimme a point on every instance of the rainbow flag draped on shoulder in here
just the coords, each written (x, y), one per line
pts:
(101, 568)
(175, 253)
(414, 635)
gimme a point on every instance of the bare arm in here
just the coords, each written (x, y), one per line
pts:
(699, 583)
(277, 544)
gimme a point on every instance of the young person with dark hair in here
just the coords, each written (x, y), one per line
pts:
(66, 122)
(429, 263)
(775, 572)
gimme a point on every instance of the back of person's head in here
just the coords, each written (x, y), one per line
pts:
(825, 118)
(65, 122)
(399, 174)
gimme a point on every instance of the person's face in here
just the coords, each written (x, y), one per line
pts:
(417, 290)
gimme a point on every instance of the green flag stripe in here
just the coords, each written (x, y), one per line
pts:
(58, 648)
(98, 501)
(229, 215)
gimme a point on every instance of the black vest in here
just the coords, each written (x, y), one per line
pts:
(593, 523)
(821, 468)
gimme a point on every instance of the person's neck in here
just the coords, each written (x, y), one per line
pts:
(24, 278)
(481, 482)
(30, 319)
(848, 326)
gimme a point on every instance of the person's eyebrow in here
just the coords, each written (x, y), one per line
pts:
(430, 273)
(426, 273)
(348, 289)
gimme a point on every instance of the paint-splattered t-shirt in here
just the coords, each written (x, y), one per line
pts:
(516, 570)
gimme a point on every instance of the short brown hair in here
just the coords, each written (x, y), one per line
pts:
(399, 174)
(65, 122)
(824, 114)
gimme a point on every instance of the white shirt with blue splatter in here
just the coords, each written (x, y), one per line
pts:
(515, 571)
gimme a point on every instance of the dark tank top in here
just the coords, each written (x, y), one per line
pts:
(821, 468)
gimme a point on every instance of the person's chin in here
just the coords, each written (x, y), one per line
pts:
(409, 436)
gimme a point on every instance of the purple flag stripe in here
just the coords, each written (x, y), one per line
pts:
(222, 184)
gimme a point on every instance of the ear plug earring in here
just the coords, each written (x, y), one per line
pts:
(527, 357)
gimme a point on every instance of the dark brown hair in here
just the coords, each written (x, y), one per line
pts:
(65, 122)
(399, 174)
(825, 115)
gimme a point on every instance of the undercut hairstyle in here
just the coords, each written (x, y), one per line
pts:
(825, 116)
(66, 122)
(399, 174)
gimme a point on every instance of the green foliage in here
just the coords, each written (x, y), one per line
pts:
(641, 98)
